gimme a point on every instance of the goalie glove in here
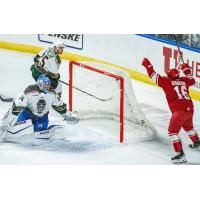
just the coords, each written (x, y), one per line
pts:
(71, 117)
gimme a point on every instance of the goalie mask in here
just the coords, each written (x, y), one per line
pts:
(44, 83)
(173, 73)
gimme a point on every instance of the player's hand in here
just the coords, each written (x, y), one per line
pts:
(184, 66)
(71, 117)
(146, 63)
(186, 69)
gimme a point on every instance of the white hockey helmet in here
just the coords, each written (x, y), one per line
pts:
(59, 44)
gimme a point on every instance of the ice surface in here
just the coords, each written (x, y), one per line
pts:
(91, 141)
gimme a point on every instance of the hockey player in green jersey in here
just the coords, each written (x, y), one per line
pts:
(47, 62)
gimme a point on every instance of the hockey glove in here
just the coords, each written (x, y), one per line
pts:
(186, 69)
(71, 117)
(146, 63)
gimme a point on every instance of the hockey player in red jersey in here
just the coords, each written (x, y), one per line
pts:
(176, 89)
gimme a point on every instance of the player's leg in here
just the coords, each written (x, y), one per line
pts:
(176, 122)
(8, 118)
(24, 124)
(58, 89)
(41, 128)
(25, 115)
(54, 83)
(20, 128)
(191, 132)
(21, 125)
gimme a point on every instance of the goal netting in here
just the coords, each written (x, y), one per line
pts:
(98, 91)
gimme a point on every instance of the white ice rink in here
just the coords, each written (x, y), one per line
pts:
(90, 142)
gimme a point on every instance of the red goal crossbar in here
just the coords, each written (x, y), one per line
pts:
(73, 64)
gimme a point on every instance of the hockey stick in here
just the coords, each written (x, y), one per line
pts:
(87, 92)
(5, 99)
(179, 50)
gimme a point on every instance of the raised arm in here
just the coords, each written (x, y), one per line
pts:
(151, 72)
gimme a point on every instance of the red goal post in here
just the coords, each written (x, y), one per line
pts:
(73, 64)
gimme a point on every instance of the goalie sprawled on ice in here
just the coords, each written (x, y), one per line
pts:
(29, 112)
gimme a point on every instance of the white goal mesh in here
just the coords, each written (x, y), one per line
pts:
(104, 92)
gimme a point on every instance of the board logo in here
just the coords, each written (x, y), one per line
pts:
(74, 41)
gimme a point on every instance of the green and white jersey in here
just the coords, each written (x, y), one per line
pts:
(49, 60)
(38, 102)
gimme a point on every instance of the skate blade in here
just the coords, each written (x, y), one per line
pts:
(180, 161)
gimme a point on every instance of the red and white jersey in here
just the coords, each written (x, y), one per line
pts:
(176, 90)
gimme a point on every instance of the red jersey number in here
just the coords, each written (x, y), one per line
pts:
(182, 93)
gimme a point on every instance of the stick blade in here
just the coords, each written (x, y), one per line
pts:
(6, 99)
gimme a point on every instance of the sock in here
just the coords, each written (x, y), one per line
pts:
(176, 142)
(193, 135)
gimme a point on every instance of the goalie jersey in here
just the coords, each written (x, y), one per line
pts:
(38, 102)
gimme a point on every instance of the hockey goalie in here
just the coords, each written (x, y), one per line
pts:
(29, 112)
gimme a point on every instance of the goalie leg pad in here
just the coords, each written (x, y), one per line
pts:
(19, 129)
(46, 134)
(8, 118)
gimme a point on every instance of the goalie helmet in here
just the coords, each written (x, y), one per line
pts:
(59, 44)
(173, 73)
(44, 83)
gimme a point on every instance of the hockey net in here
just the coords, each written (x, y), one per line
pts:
(98, 91)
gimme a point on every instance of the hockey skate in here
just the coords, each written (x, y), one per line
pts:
(195, 145)
(180, 158)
